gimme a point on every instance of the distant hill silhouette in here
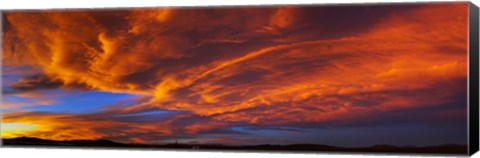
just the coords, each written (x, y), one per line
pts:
(439, 149)
(37, 141)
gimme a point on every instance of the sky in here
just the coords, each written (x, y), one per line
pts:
(350, 75)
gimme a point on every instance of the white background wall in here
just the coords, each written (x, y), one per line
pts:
(84, 153)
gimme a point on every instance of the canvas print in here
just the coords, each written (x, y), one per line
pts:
(309, 78)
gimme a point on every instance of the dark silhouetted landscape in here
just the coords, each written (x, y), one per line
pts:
(439, 149)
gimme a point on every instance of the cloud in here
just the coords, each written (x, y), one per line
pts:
(57, 126)
(35, 82)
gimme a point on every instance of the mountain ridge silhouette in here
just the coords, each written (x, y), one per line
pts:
(386, 148)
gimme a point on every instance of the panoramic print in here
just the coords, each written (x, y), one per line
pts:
(357, 78)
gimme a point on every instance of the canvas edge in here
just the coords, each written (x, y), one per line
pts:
(473, 73)
(273, 4)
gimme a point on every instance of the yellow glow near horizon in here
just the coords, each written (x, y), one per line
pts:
(12, 130)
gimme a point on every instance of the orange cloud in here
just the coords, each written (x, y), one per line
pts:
(75, 127)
